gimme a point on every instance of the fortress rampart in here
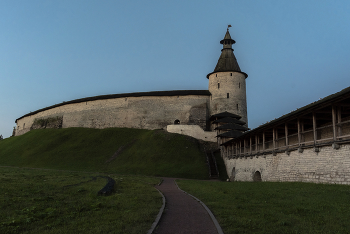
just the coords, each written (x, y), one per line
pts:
(150, 110)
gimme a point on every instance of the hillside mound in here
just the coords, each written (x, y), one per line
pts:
(112, 150)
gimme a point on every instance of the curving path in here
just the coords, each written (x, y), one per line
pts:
(182, 214)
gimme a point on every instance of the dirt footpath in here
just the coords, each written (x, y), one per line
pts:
(182, 214)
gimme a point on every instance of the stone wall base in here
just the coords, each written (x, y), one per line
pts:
(193, 131)
(326, 165)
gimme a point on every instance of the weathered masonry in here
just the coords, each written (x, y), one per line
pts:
(311, 144)
(181, 111)
(149, 110)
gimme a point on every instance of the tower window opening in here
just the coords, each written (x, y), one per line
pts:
(231, 74)
(239, 85)
(228, 95)
(216, 75)
(237, 106)
(218, 85)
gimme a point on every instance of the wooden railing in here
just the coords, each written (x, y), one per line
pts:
(337, 131)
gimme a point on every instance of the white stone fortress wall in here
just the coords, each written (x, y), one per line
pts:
(143, 112)
(328, 165)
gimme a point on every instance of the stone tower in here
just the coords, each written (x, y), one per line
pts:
(227, 83)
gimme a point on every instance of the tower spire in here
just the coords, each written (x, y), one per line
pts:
(227, 61)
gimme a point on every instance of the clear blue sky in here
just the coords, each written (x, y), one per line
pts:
(294, 52)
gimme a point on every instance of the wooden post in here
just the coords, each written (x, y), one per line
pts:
(240, 147)
(256, 143)
(217, 138)
(339, 121)
(273, 139)
(302, 131)
(263, 141)
(314, 127)
(244, 150)
(334, 120)
(233, 150)
(286, 133)
(250, 145)
(299, 134)
(236, 149)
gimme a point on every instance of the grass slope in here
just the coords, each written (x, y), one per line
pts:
(272, 207)
(221, 166)
(115, 150)
(51, 201)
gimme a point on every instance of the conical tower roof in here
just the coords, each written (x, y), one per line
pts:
(227, 37)
(227, 61)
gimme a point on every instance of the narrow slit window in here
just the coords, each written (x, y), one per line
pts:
(228, 95)
(239, 85)
(218, 85)
(237, 106)
(231, 74)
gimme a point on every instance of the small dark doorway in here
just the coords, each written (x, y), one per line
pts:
(177, 121)
(257, 177)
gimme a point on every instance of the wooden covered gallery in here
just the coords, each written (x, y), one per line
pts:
(322, 123)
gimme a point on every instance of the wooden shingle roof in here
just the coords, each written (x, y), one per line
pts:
(223, 115)
(230, 134)
(232, 126)
(229, 120)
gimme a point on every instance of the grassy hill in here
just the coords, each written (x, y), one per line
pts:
(275, 207)
(112, 150)
(55, 201)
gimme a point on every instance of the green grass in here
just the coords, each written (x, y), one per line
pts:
(40, 201)
(142, 152)
(221, 166)
(268, 207)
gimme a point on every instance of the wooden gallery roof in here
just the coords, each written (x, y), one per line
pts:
(331, 112)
